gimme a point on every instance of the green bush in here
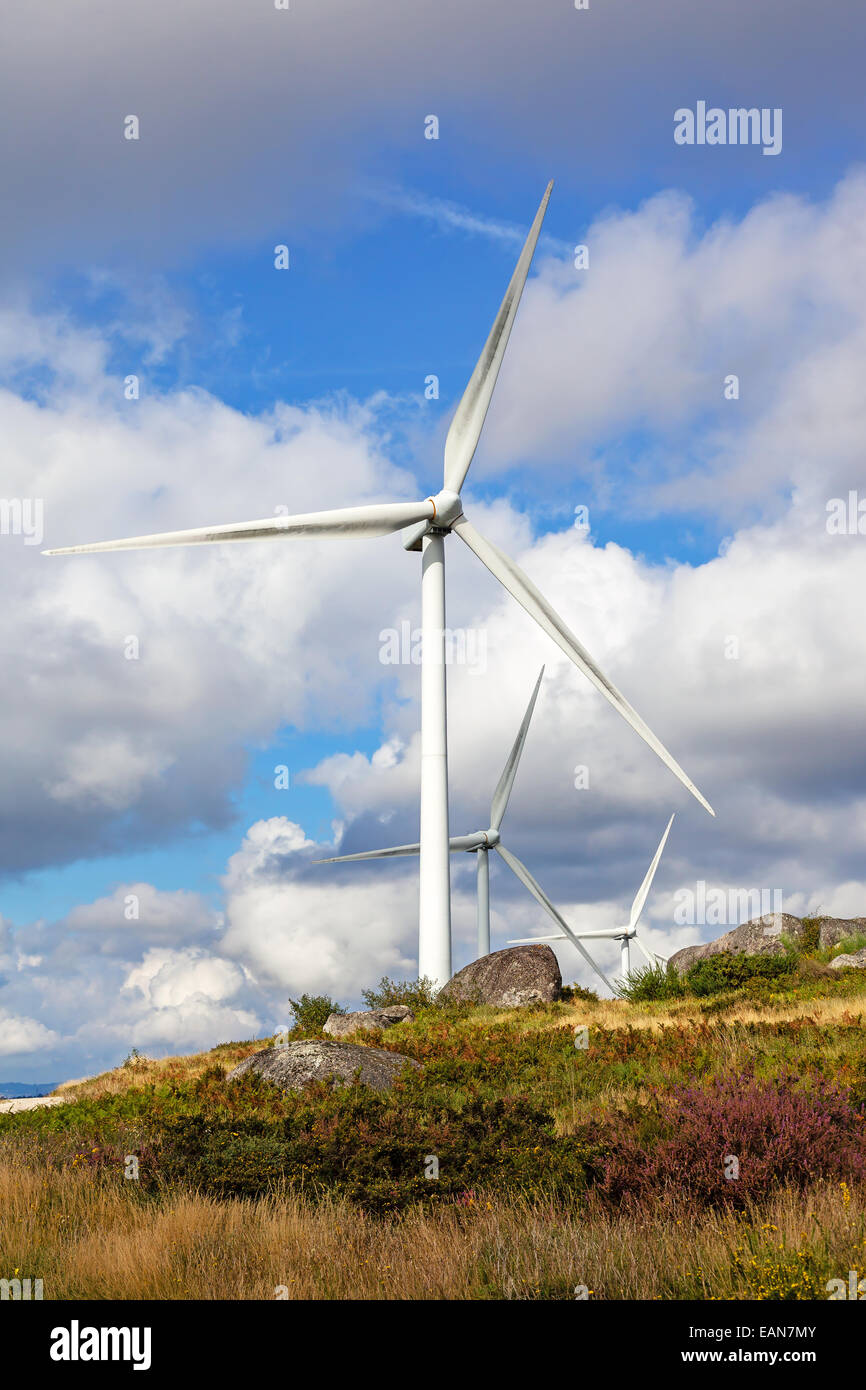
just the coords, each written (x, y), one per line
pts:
(730, 970)
(377, 1150)
(415, 994)
(810, 939)
(311, 1012)
(651, 984)
(576, 993)
(849, 945)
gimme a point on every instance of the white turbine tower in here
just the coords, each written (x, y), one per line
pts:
(624, 935)
(481, 842)
(432, 519)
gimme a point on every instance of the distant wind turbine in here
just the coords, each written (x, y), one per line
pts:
(624, 935)
(431, 521)
(481, 842)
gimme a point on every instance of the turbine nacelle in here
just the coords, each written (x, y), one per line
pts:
(447, 508)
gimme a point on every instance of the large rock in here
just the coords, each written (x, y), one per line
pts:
(836, 929)
(291, 1065)
(508, 979)
(367, 1020)
(855, 961)
(760, 937)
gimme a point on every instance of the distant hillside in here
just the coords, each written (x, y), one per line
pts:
(15, 1090)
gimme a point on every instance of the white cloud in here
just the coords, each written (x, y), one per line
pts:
(295, 927)
(168, 978)
(237, 643)
(19, 1036)
(644, 340)
(136, 915)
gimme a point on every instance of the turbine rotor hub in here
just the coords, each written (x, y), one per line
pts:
(448, 508)
(492, 837)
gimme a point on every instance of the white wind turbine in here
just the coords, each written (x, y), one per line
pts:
(481, 842)
(624, 935)
(431, 520)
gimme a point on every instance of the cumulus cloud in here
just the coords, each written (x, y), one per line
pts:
(639, 347)
(749, 666)
(23, 1035)
(125, 657)
(292, 925)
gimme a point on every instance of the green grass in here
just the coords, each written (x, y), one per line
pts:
(540, 1143)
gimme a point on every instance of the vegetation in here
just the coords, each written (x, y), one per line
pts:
(415, 994)
(715, 974)
(585, 1142)
(573, 993)
(311, 1013)
(652, 984)
(92, 1238)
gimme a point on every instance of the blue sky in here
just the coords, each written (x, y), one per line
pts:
(306, 388)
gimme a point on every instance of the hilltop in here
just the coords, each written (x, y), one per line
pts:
(581, 1144)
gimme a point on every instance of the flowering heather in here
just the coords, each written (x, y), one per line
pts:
(779, 1132)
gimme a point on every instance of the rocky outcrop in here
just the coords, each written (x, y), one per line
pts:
(855, 961)
(291, 1065)
(508, 979)
(367, 1020)
(760, 937)
(836, 929)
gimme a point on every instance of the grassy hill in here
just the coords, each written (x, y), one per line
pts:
(583, 1145)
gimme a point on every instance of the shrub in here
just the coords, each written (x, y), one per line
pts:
(779, 1274)
(730, 970)
(651, 984)
(311, 1012)
(849, 945)
(810, 938)
(415, 994)
(376, 1150)
(576, 993)
(779, 1132)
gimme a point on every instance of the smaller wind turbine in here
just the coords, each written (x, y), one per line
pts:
(624, 935)
(480, 842)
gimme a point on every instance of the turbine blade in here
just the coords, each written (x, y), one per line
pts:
(539, 894)
(465, 428)
(506, 781)
(641, 894)
(531, 940)
(371, 854)
(653, 960)
(377, 520)
(606, 933)
(457, 842)
(521, 587)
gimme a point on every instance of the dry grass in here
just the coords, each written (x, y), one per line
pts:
(604, 1013)
(92, 1238)
(144, 1071)
(617, 1013)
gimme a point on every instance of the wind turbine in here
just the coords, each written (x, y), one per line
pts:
(624, 935)
(481, 842)
(431, 520)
